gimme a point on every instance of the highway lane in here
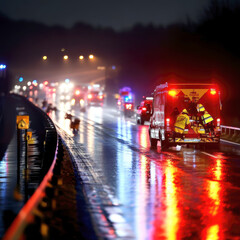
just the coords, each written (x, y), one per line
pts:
(182, 193)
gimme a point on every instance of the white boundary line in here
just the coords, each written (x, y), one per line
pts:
(222, 140)
(210, 155)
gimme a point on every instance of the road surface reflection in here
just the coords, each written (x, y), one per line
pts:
(177, 194)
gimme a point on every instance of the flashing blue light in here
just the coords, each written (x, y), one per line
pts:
(126, 99)
(113, 67)
(20, 79)
(3, 66)
(67, 80)
(34, 81)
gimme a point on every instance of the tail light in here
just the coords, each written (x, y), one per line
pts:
(213, 91)
(172, 93)
(89, 96)
(128, 106)
(168, 122)
(218, 122)
(77, 92)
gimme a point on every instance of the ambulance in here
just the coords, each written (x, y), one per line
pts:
(126, 102)
(170, 99)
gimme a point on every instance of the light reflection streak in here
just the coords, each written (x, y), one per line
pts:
(141, 200)
(213, 233)
(143, 136)
(172, 212)
(214, 193)
(124, 161)
(3, 175)
(96, 114)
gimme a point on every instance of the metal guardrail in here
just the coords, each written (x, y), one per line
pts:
(230, 133)
(26, 214)
(51, 163)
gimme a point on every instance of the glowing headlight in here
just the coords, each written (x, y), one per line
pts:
(73, 101)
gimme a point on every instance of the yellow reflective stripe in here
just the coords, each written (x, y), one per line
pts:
(179, 128)
(207, 119)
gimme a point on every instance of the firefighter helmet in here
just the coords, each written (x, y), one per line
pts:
(200, 108)
(184, 111)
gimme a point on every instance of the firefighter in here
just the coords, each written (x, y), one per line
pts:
(206, 118)
(182, 122)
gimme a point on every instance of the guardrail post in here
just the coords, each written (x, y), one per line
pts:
(18, 154)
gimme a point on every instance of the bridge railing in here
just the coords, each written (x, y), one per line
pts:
(230, 133)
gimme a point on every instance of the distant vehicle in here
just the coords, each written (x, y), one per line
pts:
(64, 91)
(95, 98)
(126, 101)
(95, 95)
(171, 99)
(144, 110)
(79, 99)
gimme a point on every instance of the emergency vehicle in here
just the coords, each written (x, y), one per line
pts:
(170, 98)
(79, 98)
(95, 95)
(126, 101)
(144, 110)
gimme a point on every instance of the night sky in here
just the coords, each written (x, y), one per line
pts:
(118, 14)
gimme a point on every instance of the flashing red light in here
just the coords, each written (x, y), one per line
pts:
(218, 121)
(100, 97)
(129, 106)
(144, 109)
(45, 83)
(89, 96)
(213, 91)
(168, 122)
(172, 93)
(77, 92)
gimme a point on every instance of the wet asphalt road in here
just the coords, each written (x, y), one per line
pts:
(182, 193)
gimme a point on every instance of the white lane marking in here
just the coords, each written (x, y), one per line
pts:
(222, 140)
(210, 155)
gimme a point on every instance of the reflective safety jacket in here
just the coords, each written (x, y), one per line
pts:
(206, 118)
(181, 122)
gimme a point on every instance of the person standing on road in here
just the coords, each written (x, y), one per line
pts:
(182, 122)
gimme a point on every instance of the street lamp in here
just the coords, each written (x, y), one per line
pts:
(44, 58)
(65, 57)
(81, 57)
(91, 56)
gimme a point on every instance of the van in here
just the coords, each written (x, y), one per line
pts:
(170, 99)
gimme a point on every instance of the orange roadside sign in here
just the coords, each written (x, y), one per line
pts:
(29, 136)
(22, 122)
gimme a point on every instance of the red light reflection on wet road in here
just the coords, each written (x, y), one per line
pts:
(214, 211)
